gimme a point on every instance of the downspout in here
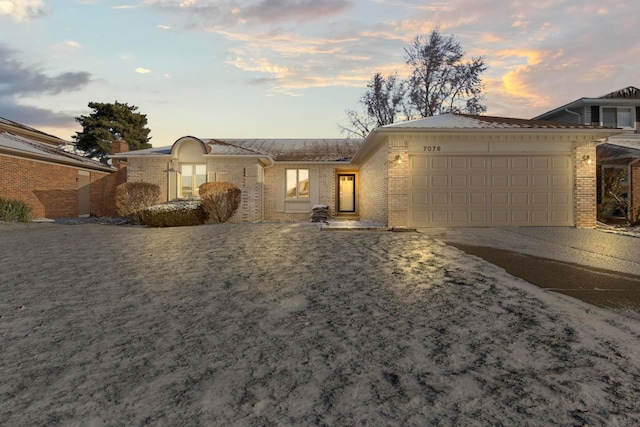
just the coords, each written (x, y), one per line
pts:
(574, 113)
(262, 202)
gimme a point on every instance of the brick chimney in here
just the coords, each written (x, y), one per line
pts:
(119, 146)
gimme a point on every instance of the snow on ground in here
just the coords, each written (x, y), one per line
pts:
(281, 324)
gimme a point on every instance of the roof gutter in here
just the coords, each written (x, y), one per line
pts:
(575, 114)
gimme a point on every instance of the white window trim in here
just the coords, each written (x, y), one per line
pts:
(304, 198)
(193, 179)
(632, 110)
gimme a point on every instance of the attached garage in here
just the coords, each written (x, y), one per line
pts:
(457, 170)
(482, 190)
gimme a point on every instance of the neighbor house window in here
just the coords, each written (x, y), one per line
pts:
(617, 117)
(297, 183)
(191, 177)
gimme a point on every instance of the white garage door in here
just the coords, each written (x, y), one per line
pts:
(490, 190)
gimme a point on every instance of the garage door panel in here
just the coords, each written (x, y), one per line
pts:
(540, 199)
(499, 216)
(560, 181)
(520, 163)
(478, 162)
(520, 180)
(439, 199)
(519, 217)
(419, 181)
(478, 181)
(440, 181)
(500, 180)
(478, 199)
(478, 190)
(541, 162)
(478, 217)
(460, 199)
(500, 163)
(459, 163)
(540, 181)
(438, 162)
(440, 217)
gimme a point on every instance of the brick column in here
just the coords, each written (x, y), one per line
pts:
(119, 146)
(585, 203)
(398, 183)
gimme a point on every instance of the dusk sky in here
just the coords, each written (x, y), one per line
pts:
(291, 68)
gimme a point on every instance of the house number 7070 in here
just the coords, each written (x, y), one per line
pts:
(431, 148)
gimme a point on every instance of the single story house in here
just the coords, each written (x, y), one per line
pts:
(52, 182)
(441, 171)
(618, 168)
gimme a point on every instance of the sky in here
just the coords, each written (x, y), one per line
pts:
(292, 68)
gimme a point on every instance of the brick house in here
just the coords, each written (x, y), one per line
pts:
(53, 182)
(448, 170)
(618, 156)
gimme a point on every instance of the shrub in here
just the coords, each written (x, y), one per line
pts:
(220, 200)
(173, 215)
(133, 197)
(14, 210)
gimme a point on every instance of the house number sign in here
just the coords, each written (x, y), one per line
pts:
(432, 148)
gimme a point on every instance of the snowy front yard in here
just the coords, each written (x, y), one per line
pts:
(268, 324)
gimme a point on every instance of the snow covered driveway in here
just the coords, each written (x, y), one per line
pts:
(268, 324)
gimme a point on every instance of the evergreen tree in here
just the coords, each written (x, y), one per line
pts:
(109, 122)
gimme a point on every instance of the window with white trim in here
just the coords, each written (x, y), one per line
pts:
(192, 175)
(297, 184)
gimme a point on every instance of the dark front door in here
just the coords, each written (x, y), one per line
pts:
(346, 192)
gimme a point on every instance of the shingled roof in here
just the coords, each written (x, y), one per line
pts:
(281, 150)
(36, 149)
(629, 92)
(469, 121)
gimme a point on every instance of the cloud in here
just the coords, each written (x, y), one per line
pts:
(229, 13)
(23, 10)
(141, 70)
(18, 79)
(35, 116)
(274, 11)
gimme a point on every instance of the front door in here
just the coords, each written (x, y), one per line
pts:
(347, 192)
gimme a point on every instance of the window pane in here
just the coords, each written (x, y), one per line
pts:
(200, 177)
(303, 183)
(186, 180)
(609, 117)
(291, 183)
(624, 117)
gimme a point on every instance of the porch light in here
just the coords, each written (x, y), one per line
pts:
(586, 160)
(398, 159)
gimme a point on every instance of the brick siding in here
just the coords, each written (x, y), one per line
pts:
(326, 192)
(52, 190)
(585, 210)
(374, 186)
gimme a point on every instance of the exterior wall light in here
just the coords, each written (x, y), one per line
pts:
(586, 160)
(398, 159)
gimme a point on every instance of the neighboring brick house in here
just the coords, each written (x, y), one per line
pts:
(52, 182)
(618, 156)
(449, 170)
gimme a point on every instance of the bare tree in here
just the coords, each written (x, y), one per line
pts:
(440, 81)
(381, 103)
